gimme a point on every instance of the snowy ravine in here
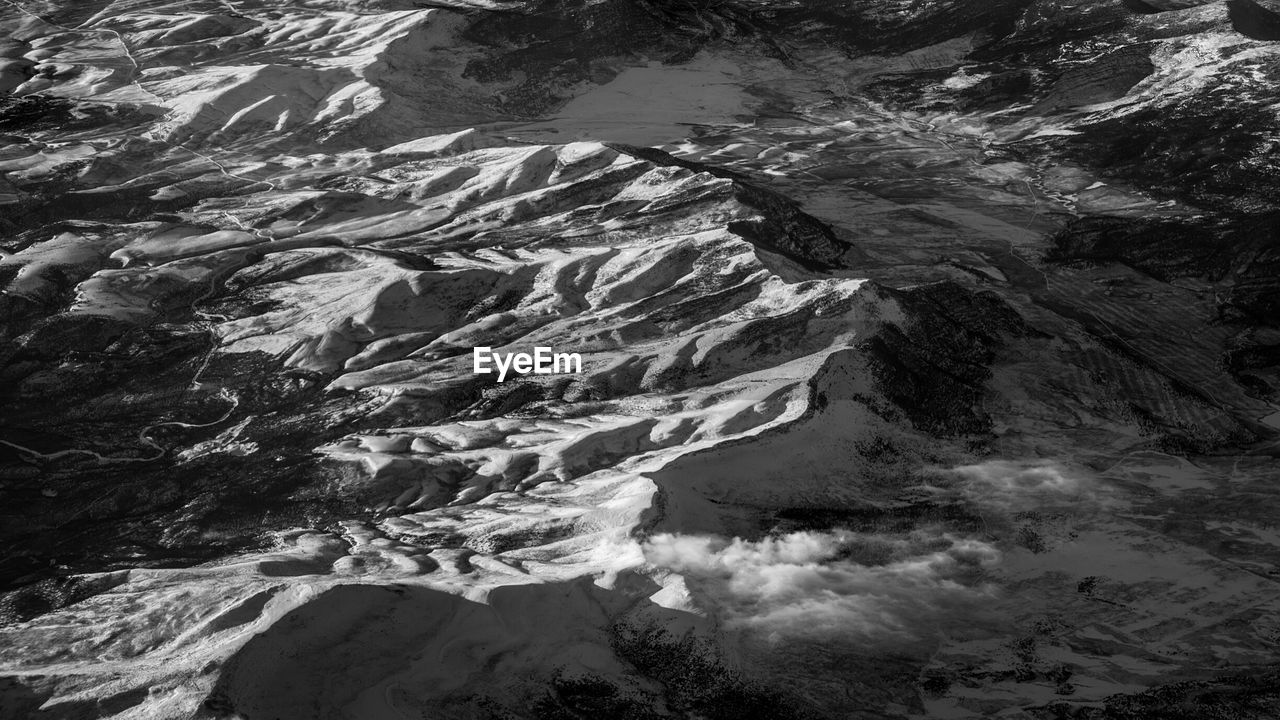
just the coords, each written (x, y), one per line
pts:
(931, 359)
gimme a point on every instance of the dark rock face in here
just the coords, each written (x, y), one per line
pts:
(143, 503)
(936, 367)
(1046, 28)
(33, 113)
(1247, 696)
(1108, 77)
(1241, 256)
(1253, 20)
(1149, 7)
(1206, 153)
(783, 227)
(1164, 249)
(1001, 89)
(45, 596)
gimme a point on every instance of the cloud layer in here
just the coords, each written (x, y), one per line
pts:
(1010, 486)
(810, 584)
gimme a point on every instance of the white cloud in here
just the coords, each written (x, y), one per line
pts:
(1014, 486)
(810, 584)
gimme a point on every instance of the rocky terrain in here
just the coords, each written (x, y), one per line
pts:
(931, 359)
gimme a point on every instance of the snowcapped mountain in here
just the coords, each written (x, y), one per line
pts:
(930, 359)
